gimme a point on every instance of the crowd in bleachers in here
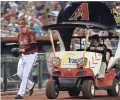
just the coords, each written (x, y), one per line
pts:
(82, 32)
(35, 13)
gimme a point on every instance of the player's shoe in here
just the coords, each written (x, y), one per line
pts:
(31, 90)
(18, 97)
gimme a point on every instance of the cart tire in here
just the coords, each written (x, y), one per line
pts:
(73, 93)
(88, 89)
(115, 89)
(52, 90)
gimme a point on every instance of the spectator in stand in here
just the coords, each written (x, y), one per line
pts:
(43, 18)
(8, 16)
(10, 13)
(13, 26)
(5, 7)
(116, 4)
(35, 25)
(14, 11)
(118, 10)
(4, 25)
(39, 5)
(53, 17)
(22, 6)
(13, 4)
(57, 6)
(109, 49)
(30, 7)
(37, 29)
(21, 16)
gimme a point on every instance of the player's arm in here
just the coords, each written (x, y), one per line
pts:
(91, 48)
(18, 42)
(101, 48)
(38, 21)
(32, 47)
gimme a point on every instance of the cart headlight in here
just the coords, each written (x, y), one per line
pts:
(56, 61)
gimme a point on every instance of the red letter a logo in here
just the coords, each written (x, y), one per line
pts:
(82, 11)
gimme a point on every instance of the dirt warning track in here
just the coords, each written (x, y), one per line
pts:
(40, 95)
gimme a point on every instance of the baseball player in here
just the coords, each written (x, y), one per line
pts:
(28, 49)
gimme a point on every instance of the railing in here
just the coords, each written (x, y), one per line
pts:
(9, 33)
(9, 79)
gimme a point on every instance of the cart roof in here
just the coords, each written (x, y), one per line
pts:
(94, 15)
(87, 13)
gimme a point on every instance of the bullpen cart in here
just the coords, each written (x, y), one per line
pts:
(77, 71)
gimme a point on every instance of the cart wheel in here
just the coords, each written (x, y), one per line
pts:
(52, 90)
(115, 89)
(73, 92)
(88, 89)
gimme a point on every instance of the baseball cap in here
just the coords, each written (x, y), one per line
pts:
(117, 7)
(22, 23)
(95, 36)
(20, 15)
(53, 13)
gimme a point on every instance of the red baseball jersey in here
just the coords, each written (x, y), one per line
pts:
(26, 39)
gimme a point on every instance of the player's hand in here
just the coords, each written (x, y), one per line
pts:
(92, 48)
(100, 48)
(21, 50)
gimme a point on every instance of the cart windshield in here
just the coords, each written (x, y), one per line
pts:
(78, 39)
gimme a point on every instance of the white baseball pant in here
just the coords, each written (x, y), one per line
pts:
(103, 67)
(25, 65)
